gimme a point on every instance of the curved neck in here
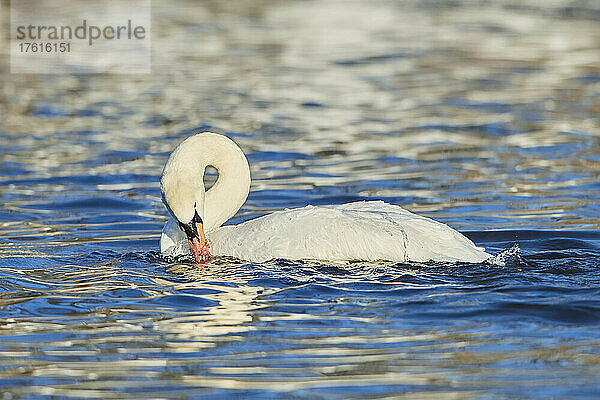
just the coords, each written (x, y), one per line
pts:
(231, 189)
(183, 179)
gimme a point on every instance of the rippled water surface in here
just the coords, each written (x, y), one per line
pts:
(483, 115)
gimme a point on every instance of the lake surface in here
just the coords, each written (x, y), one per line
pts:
(483, 115)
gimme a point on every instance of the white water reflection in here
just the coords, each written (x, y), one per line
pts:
(235, 302)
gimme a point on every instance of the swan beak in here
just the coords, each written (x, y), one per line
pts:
(199, 245)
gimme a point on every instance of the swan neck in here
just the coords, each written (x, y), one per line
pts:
(223, 200)
(182, 181)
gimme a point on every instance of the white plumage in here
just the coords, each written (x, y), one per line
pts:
(371, 230)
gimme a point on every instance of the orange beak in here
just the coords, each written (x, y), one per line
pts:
(199, 246)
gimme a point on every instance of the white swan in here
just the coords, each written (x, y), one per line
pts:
(370, 230)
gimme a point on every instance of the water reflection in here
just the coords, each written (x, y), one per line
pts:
(232, 312)
(229, 326)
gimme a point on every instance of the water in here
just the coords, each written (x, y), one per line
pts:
(483, 115)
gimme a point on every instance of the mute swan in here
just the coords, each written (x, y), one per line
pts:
(371, 230)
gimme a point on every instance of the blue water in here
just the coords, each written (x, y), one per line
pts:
(483, 116)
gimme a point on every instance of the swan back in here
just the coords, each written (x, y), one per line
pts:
(371, 230)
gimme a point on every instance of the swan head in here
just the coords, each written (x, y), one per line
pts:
(182, 185)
